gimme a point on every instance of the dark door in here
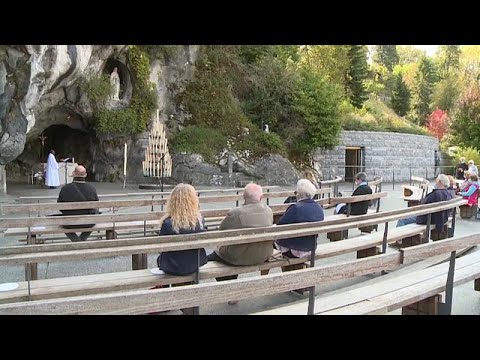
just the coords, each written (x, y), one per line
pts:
(354, 162)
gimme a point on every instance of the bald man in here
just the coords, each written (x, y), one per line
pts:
(251, 214)
(77, 191)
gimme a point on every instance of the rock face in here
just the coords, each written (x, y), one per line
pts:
(40, 87)
(268, 170)
(41, 94)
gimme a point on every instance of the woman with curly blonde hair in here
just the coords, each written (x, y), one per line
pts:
(182, 217)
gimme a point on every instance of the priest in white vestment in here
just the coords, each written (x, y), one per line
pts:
(51, 174)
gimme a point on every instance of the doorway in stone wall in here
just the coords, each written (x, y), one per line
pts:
(354, 161)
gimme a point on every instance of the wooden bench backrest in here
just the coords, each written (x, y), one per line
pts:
(48, 207)
(98, 249)
(151, 193)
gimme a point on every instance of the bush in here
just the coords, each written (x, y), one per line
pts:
(136, 117)
(468, 153)
(199, 140)
(98, 90)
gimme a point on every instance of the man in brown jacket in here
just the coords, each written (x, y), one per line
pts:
(251, 214)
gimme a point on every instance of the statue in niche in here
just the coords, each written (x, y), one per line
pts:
(115, 81)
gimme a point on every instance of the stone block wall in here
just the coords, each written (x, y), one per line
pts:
(386, 154)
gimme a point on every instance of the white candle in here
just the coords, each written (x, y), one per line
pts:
(125, 161)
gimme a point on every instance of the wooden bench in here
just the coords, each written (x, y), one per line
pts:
(91, 250)
(416, 191)
(336, 236)
(37, 199)
(100, 283)
(142, 301)
(416, 292)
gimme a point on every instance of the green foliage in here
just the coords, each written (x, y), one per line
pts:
(269, 99)
(407, 54)
(162, 52)
(259, 143)
(357, 74)
(331, 60)
(465, 126)
(400, 96)
(317, 102)
(376, 116)
(135, 118)
(424, 82)
(199, 140)
(468, 153)
(448, 59)
(98, 89)
(446, 93)
(386, 55)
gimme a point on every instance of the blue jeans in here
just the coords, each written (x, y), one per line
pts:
(410, 220)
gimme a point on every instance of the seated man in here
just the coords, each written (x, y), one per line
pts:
(251, 214)
(439, 193)
(76, 191)
(359, 208)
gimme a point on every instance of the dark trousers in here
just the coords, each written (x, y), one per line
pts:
(214, 257)
(74, 237)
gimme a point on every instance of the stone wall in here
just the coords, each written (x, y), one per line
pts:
(386, 154)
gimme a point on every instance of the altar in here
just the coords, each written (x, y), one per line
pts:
(65, 170)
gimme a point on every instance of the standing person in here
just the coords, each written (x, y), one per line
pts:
(461, 168)
(52, 179)
(78, 190)
(182, 216)
(472, 168)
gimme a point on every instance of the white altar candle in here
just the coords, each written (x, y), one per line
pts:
(125, 161)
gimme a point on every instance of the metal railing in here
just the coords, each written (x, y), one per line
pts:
(391, 174)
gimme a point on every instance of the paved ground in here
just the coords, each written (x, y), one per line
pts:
(466, 300)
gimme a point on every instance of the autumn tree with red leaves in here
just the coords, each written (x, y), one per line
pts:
(437, 123)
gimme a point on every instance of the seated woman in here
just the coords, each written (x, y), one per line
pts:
(467, 181)
(182, 217)
(471, 192)
(304, 210)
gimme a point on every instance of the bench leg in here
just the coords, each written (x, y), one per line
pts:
(139, 261)
(411, 241)
(368, 252)
(33, 271)
(368, 229)
(439, 235)
(477, 285)
(31, 268)
(110, 234)
(337, 235)
(427, 306)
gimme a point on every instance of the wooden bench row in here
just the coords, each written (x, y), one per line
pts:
(142, 301)
(139, 247)
(416, 292)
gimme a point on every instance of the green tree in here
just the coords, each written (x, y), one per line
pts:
(331, 60)
(448, 59)
(357, 74)
(424, 82)
(386, 55)
(400, 96)
(408, 54)
(317, 102)
(465, 125)
(446, 93)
